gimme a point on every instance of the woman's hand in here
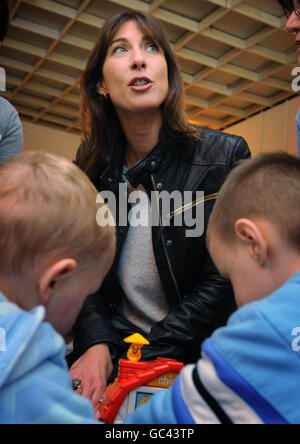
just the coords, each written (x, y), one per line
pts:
(93, 369)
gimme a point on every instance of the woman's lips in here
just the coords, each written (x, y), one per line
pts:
(140, 84)
(141, 88)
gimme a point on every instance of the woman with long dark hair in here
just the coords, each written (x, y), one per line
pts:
(163, 283)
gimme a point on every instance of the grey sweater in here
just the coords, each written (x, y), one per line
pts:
(144, 303)
(11, 133)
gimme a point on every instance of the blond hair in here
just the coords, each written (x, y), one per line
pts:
(268, 187)
(48, 209)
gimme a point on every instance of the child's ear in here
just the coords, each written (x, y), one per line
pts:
(248, 232)
(53, 276)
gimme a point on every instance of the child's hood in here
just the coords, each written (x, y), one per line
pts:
(25, 341)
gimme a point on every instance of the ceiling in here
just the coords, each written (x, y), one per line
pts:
(235, 56)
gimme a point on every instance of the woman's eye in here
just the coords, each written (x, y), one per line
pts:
(153, 47)
(119, 49)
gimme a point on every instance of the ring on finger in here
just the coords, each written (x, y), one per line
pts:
(77, 384)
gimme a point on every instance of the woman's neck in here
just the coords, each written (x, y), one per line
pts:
(141, 132)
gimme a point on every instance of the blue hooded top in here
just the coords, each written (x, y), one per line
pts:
(248, 373)
(35, 385)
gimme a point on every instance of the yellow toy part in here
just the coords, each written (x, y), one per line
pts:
(137, 341)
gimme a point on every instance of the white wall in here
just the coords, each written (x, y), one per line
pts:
(43, 138)
(272, 130)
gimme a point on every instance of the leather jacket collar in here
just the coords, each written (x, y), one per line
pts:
(149, 164)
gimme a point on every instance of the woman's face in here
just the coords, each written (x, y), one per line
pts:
(135, 72)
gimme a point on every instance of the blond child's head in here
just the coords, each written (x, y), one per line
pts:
(254, 229)
(52, 252)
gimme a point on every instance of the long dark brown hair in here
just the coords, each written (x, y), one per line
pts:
(287, 6)
(102, 132)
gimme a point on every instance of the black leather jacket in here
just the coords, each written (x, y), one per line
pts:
(200, 299)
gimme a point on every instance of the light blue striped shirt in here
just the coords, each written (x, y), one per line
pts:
(248, 374)
(298, 130)
(11, 132)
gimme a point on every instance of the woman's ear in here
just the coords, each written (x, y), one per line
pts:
(53, 276)
(101, 88)
(249, 233)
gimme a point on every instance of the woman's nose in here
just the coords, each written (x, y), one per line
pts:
(293, 23)
(138, 61)
(139, 65)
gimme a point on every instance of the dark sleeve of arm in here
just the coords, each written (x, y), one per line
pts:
(94, 326)
(187, 325)
(205, 309)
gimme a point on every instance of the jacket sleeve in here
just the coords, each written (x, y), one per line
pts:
(94, 326)
(188, 324)
(206, 308)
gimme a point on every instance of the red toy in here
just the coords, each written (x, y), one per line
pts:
(136, 382)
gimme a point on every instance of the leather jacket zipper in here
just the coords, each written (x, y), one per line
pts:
(164, 245)
(193, 204)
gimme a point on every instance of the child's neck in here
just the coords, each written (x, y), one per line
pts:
(7, 290)
(286, 265)
(18, 292)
